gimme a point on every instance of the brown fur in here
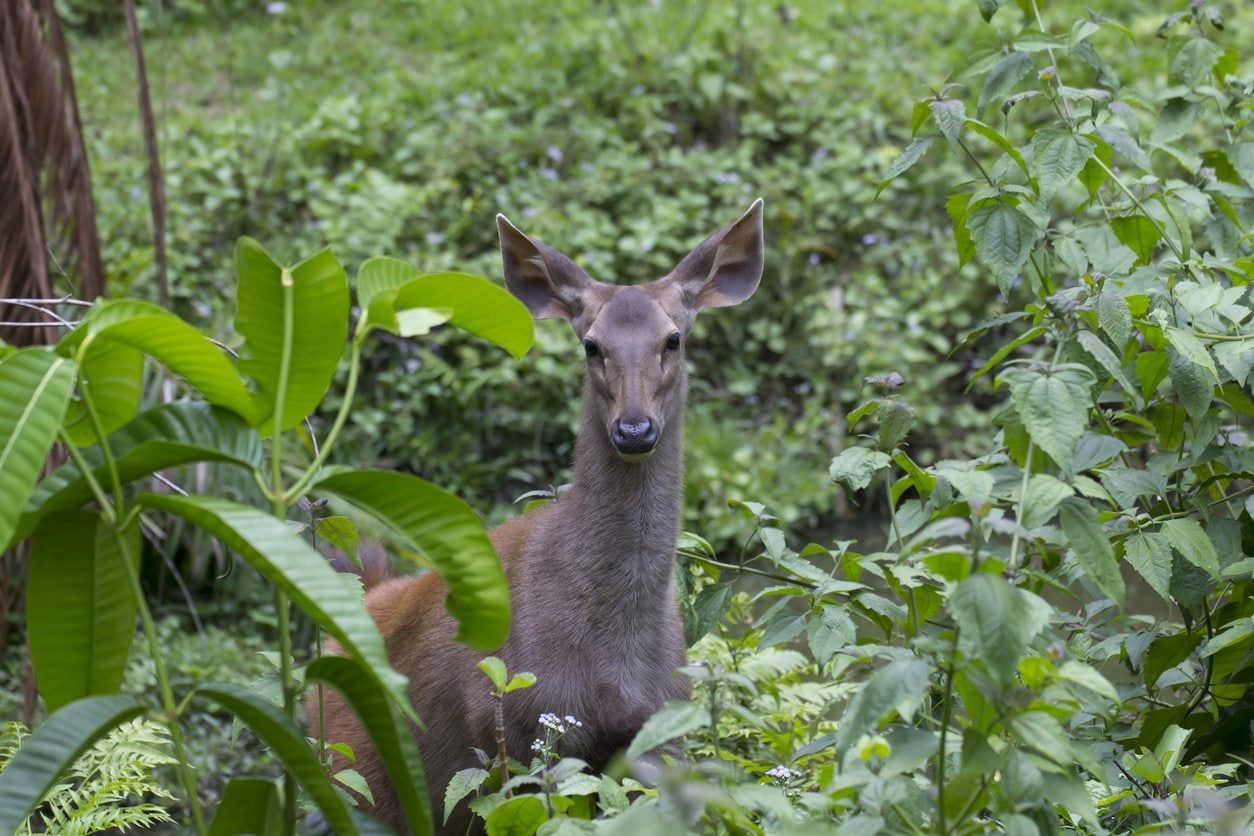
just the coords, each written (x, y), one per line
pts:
(591, 575)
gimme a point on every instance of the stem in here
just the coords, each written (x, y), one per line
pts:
(964, 147)
(350, 389)
(285, 674)
(102, 499)
(944, 730)
(502, 754)
(1136, 201)
(1023, 495)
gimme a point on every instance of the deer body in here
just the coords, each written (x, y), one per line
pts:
(591, 575)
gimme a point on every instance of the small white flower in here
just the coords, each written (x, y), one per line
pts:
(782, 773)
(276, 8)
(537, 745)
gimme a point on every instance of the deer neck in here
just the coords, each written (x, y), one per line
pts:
(626, 515)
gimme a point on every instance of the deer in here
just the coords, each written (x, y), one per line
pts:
(591, 575)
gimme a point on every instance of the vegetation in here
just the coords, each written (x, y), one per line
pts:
(1054, 633)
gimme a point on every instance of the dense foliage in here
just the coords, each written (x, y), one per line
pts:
(1057, 634)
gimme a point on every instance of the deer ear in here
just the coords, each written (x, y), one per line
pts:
(726, 268)
(544, 280)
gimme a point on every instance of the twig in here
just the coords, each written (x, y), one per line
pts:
(156, 186)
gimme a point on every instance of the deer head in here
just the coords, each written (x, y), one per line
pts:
(634, 335)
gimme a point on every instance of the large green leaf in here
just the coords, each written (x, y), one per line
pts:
(1003, 239)
(387, 729)
(898, 686)
(113, 373)
(286, 740)
(1054, 408)
(170, 341)
(163, 437)
(996, 621)
(1189, 538)
(52, 748)
(330, 598)
(674, 719)
(34, 390)
(446, 530)
(1057, 157)
(1138, 233)
(1091, 546)
(1150, 556)
(475, 305)
(294, 323)
(249, 807)
(80, 615)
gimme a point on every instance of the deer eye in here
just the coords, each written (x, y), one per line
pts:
(590, 348)
(672, 342)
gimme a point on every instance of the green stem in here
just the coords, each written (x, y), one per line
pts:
(285, 674)
(1023, 495)
(944, 731)
(98, 491)
(119, 507)
(1136, 201)
(350, 390)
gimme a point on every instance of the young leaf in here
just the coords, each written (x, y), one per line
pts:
(1092, 547)
(519, 681)
(1054, 408)
(383, 721)
(341, 533)
(950, 115)
(855, 467)
(445, 530)
(896, 418)
(996, 621)
(911, 155)
(294, 322)
(674, 719)
(34, 391)
(80, 616)
(1057, 157)
(1187, 537)
(494, 669)
(1005, 74)
(1003, 238)
(52, 749)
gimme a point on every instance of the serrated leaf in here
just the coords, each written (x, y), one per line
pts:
(1003, 238)
(80, 616)
(674, 719)
(1101, 352)
(996, 621)
(462, 784)
(956, 206)
(950, 115)
(898, 686)
(1092, 547)
(1058, 157)
(1175, 120)
(1054, 408)
(896, 418)
(988, 8)
(1139, 234)
(1237, 357)
(1114, 317)
(1150, 555)
(908, 157)
(829, 630)
(1193, 349)
(1042, 499)
(34, 392)
(340, 532)
(1188, 537)
(1193, 384)
(1192, 60)
(1005, 74)
(855, 467)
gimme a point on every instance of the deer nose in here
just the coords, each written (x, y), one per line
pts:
(634, 435)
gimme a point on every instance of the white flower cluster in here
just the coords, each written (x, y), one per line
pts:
(782, 773)
(537, 745)
(559, 724)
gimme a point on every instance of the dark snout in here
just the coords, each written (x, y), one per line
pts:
(634, 436)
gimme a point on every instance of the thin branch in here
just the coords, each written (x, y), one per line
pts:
(156, 186)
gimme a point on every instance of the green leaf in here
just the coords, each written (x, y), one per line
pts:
(911, 155)
(1175, 120)
(462, 784)
(52, 749)
(1087, 678)
(472, 303)
(707, 609)
(1114, 317)
(1053, 407)
(330, 598)
(1042, 499)
(1003, 238)
(950, 115)
(341, 533)
(956, 206)
(383, 721)
(519, 681)
(1165, 653)
(1005, 74)
(1093, 175)
(988, 8)
(494, 669)
(855, 467)
(80, 616)
(1150, 556)
(1193, 384)
(1192, 349)
(994, 136)
(1092, 547)
(996, 622)
(1040, 731)
(1001, 353)
(1241, 157)
(34, 392)
(445, 530)
(294, 323)
(830, 629)
(674, 719)
(285, 739)
(249, 806)
(1139, 234)
(1101, 352)
(898, 686)
(1189, 538)
(1058, 157)
(163, 437)
(518, 816)
(1192, 60)
(113, 373)
(170, 341)
(896, 418)
(784, 626)
(1233, 633)
(1237, 357)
